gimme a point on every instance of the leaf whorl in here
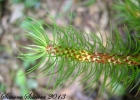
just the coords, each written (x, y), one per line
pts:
(71, 50)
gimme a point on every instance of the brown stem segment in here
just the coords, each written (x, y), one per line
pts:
(83, 55)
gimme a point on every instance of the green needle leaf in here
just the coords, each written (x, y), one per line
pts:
(72, 53)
